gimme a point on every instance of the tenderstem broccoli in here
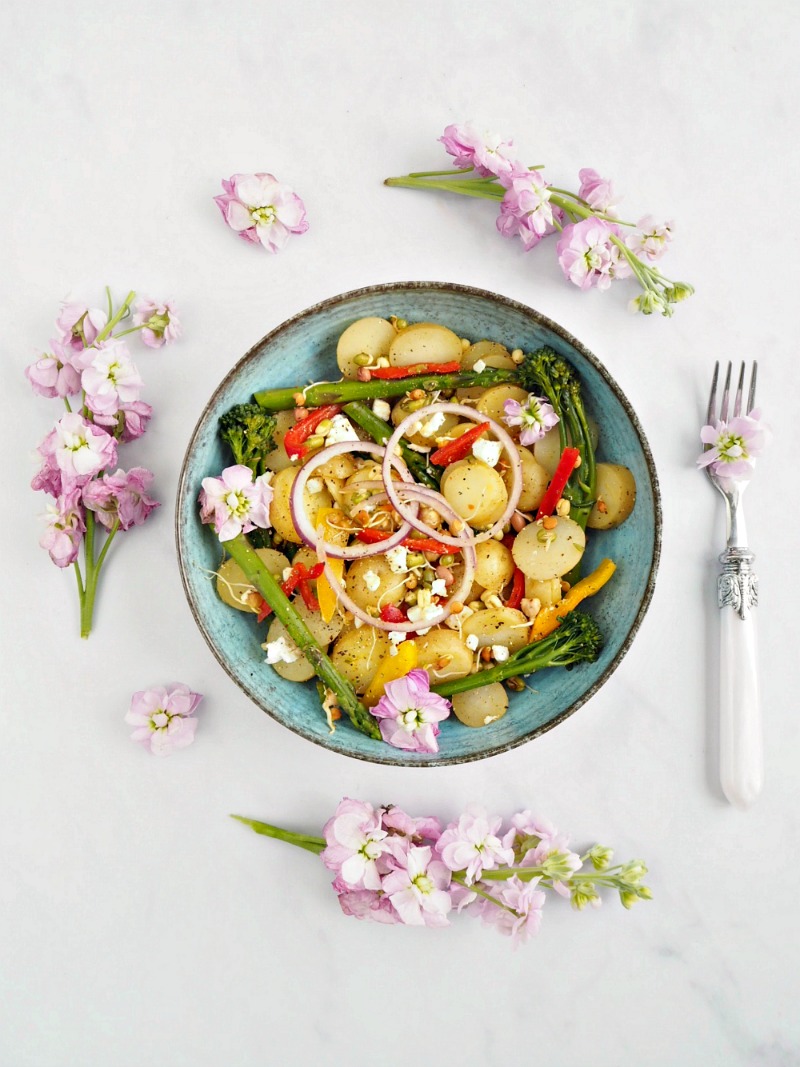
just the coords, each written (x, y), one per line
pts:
(249, 431)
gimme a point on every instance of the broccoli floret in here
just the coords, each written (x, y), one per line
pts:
(249, 431)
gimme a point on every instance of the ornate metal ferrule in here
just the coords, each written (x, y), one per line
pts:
(737, 586)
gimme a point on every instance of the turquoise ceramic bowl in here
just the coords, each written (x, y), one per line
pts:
(303, 350)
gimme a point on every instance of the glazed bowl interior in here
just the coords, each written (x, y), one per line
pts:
(302, 350)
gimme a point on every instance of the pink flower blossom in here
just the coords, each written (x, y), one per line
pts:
(487, 153)
(732, 447)
(597, 192)
(235, 503)
(395, 820)
(417, 887)
(526, 901)
(121, 497)
(53, 374)
(650, 239)
(82, 449)
(536, 418)
(110, 379)
(362, 904)
(262, 210)
(128, 422)
(48, 478)
(355, 842)
(526, 211)
(410, 713)
(472, 845)
(159, 322)
(66, 526)
(79, 326)
(589, 256)
(162, 717)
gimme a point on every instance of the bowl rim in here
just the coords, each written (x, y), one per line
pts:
(441, 760)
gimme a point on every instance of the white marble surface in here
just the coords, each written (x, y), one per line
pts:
(137, 923)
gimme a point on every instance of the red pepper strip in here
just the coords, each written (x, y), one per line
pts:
(393, 373)
(301, 431)
(459, 447)
(391, 613)
(418, 544)
(566, 465)
(517, 589)
(298, 578)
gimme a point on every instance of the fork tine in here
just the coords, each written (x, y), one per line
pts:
(711, 414)
(723, 407)
(751, 398)
(737, 402)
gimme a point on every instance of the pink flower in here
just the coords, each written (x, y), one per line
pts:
(526, 901)
(48, 478)
(262, 210)
(110, 379)
(162, 718)
(121, 497)
(417, 888)
(365, 904)
(526, 211)
(159, 322)
(536, 418)
(82, 449)
(487, 153)
(588, 255)
(355, 842)
(597, 192)
(128, 422)
(732, 447)
(395, 820)
(235, 503)
(65, 528)
(53, 374)
(78, 326)
(650, 239)
(410, 713)
(472, 845)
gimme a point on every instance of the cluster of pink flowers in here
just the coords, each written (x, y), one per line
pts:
(392, 868)
(91, 370)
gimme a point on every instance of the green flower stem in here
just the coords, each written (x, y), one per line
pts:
(342, 392)
(131, 329)
(256, 572)
(123, 310)
(461, 880)
(87, 589)
(67, 405)
(485, 190)
(438, 173)
(310, 844)
(109, 303)
(381, 431)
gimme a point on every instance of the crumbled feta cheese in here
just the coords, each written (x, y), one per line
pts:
(372, 581)
(342, 430)
(397, 637)
(500, 653)
(418, 613)
(439, 587)
(382, 409)
(478, 366)
(281, 650)
(490, 718)
(285, 573)
(421, 633)
(397, 558)
(315, 485)
(431, 425)
(488, 451)
(419, 448)
(472, 642)
(358, 623)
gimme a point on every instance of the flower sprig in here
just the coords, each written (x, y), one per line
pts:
(88, 360)
(390, 867)
(594, 246)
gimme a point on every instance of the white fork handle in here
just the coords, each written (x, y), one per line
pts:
(741, 737)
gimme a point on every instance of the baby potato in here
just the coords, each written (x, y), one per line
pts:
(298, 671)
(445, 647)
(339, 467)
(235, 590)
(425, 342)
(390, 588)
(480, 707)
(548, 449)
(370, 336)
(475, 491)
(277, 459)
(535, 480)
(495, 565)
(542, 553)
(498, 626)
(492, 400)
(616, 496)
(428, 428)
(548, 593)
(357, 653)
(493, 355)
(280, 512)
(306, 556)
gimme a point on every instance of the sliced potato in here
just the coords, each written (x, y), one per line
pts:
(548, 449)
(481, 707)
(357, 653)
(300, 670)
(277, 459)
(475, 491)
(498, 626)
(616, 496)
(492, 400)
(280, 512)
(443, 654)
(425, 342)
(389, 588)
(370, 336)
(548, 553)
(492, 354)
(548, 593)
(535, 480)
(495, 565)
(235, 590)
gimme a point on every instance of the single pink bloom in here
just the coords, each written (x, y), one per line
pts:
(66, 526)
(48, 478)
(525, 210)
(160, 323)
(588, 256)
(410, 713)
(162, 717)
(535, 418)
(81, 448)
(121, 496)
(262, 210)
(526, 901)
(472, 844)
(368, 904)
(417, 888)
(650, 239)
(79, 325)
(733, 447)
(487, 153)
(128, 422)
(396, 821)
(355, 843)
(235, 503)
(110, 379)
(53, 374)
(597, 192)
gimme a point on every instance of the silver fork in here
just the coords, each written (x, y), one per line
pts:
(740, 730)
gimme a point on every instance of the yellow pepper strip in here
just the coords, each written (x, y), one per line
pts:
(390, 669)
(549, 619)
(325, 593)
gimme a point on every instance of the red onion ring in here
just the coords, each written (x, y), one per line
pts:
(508, 446)
(303, 524)
(470, 562)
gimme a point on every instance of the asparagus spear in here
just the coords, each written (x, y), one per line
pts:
(256, 572)
(381, 431)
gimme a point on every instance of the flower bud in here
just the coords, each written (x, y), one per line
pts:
(628, 898)
(678, 291)
(600, 857)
